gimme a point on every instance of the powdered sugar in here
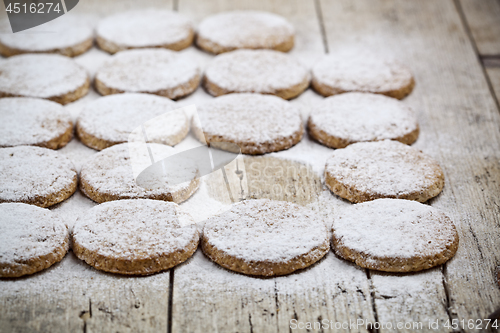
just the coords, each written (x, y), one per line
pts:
(261, 71)
(265, 230)
(135, 229)
(249, 118)
(113, 118)
(393, 228)
(387, 168)
(57, 34)
(147, 70)
(356, 117)
(40, 75)
(30, 121)
(246, 29)
(28, 232)
(145, 28)
(111, 172)
(354, 70)
(29, 173)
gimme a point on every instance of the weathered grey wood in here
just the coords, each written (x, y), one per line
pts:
(483, 19)
(460, 128)
(226, 302)
(494, 76)
(459, 123)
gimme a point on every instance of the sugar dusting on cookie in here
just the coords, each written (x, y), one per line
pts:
(40, 75)
(261, 71)
(244, 29)
(31, 238)
(33, 174)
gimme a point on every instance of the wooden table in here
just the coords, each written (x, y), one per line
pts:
(453, 48)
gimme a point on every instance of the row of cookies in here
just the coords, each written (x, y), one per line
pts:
(173, 75)
(255, 237)
(257, 123)
(153, 28)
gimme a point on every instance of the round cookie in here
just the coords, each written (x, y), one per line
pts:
(265, 237)
(245, 30)
(143, 29)
(34, 175)
(394, 235)
(33, 121)
(155, 71)
(357, 117)
(66, 36)
(366, 171)
(50, 76)
(109, 175)
(258, 71)
(258, 124)
(347, 71)
(135, 237)
(31, 239)
(109, 120)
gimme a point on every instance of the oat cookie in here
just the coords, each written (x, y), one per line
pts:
(394, 235)
(258, 124)
(34, 175)
(265, 237)
(109, 175)
(68, 36)
(109, 120)
(155, 71)
(347, 71)
(143, 29)
(356, 117)
(135, 237)
(258, 71)
(366, 171)
(33, 121)
(249, 29)
(50, 76)
(31, 239)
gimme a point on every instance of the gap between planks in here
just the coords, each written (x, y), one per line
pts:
(483, 61)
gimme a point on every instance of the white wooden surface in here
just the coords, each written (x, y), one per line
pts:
(460, 128)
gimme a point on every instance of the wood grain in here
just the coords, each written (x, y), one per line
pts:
(459, 127)
(483, 19)
(494, 76)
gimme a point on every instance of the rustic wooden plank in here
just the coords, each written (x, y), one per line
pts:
(459, 127)
(101, 8)
(483, 19)
(73, 297)
(333, 289)
(494, 76)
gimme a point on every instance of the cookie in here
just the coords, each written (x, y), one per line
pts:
(154, 71)
(265, 237)
(144, 29)
(394, 235)
(70, 37)
(258, 124)
(33, 121)
(135, 237)
(31, 239)
(245, 30)
(366, 171)
(347, 71)
(258, 71)
(111, 175)
(109, 120)
(341, 120)
(34, 175)
(50, 76)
